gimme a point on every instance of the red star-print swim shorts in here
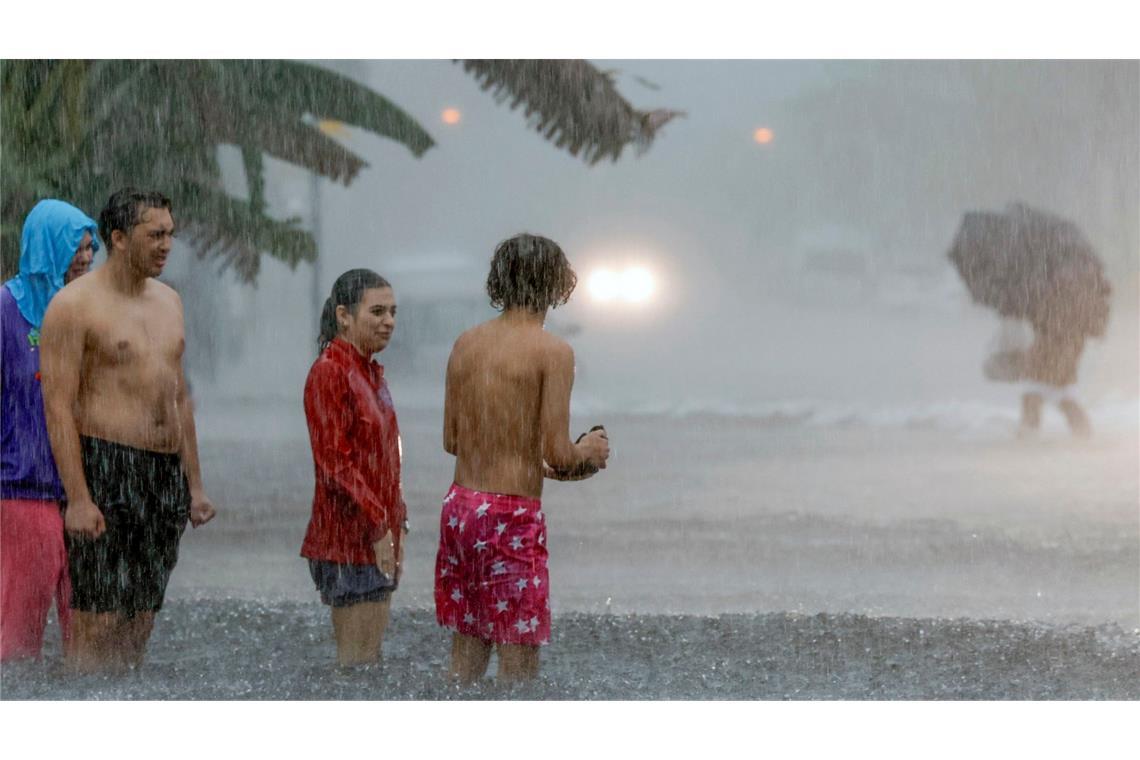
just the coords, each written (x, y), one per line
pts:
(490, 570)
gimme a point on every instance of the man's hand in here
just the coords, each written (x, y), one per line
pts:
(581, 472)
(595, 446)
(385, 550)
(83, 518)
(201, 510)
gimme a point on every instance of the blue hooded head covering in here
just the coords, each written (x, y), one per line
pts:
(52, 233)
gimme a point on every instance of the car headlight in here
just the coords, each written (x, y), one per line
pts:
(634, 285)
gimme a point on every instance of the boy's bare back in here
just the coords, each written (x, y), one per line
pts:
(507, 405)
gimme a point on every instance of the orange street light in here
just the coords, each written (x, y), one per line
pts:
(763, 135)
(450, 116)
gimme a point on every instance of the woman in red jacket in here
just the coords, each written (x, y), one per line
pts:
(354, 540)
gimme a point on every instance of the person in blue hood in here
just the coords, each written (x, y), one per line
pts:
(58, 243)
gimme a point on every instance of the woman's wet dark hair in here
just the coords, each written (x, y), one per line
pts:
(530, 272)
(124, 210)
(347, 291)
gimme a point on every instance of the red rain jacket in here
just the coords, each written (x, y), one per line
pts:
(356, 456)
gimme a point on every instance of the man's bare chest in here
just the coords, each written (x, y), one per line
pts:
(126, 337)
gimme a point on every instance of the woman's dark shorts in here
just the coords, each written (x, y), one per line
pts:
(145, 501)
(345, 585)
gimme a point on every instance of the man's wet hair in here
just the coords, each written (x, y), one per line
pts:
(124, 209)
(530, 272)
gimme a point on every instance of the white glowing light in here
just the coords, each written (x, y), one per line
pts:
(634, 285)
(605, 285)
(637, 285)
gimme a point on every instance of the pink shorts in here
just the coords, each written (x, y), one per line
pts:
(490, 571)
(33, 573)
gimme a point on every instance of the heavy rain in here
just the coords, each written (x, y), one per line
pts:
(863, 336)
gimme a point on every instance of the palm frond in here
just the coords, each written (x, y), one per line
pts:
(298, 143)
(232, 230)
(573, 105)
(285, 90)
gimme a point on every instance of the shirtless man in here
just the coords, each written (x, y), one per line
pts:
(507, 420)
(122, 432)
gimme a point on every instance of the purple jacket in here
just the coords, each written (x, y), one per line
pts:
(27, 469)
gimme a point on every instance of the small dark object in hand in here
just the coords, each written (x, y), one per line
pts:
(583, 470)
(595, 427)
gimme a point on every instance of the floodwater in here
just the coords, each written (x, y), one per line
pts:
(718, 558)
(231, 649)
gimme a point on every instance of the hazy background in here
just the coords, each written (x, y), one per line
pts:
(805, 273)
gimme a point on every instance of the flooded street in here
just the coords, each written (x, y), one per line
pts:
(707, 516)
(726, 559)
(230, 649)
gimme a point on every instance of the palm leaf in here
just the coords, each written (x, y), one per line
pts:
(298, 143)
(286, 90)
(235, 232)
(572, 104)
(41, 142)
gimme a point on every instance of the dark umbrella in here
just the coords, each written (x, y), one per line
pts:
(1033, 265)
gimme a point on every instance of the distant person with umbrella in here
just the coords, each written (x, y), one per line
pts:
(1032, 265)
